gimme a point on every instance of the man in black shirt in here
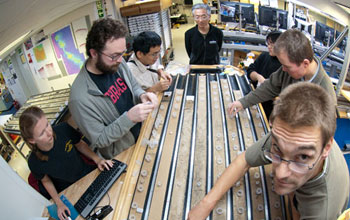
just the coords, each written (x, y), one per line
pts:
(263, 66)
(266, 63)
(203, 42)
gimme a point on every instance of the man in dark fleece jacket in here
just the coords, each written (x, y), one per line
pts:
(203, 42)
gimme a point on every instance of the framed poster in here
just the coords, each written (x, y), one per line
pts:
(66, 50)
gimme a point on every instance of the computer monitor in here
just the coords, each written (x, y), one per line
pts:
(229, 12)
(323, 33)
(342, 44)
(247, 11)
(282, 19)
(303, 25)
(268, 17)
(320, 31)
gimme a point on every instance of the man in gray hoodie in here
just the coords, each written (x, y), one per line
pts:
(104, 97)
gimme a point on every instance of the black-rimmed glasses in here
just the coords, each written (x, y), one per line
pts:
(114, 57)
(293, 165)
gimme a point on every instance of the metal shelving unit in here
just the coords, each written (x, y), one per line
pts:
(158, 22)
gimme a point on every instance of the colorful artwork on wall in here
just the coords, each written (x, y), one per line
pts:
(80, 30)
(30, 58)
(39, 53)
(50, 70)
(42, 73)
(67, 51)
(28, 44)
(23, 59)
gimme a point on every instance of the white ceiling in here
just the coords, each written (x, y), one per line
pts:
(18, 17)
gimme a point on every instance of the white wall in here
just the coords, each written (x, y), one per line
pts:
(62, 82)
(43, 84)
(18, 199)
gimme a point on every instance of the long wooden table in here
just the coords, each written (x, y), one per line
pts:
(187, 145)
(183, 148)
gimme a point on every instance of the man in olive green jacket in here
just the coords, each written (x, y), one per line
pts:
(307, 164)
(295, 53)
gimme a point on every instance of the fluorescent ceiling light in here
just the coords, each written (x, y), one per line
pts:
(14, 43)
(346, 8)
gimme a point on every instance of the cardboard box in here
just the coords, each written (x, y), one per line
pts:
(130, 10)
(141, 8)
(150, 7)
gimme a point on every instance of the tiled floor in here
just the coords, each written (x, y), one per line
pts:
(178, 35)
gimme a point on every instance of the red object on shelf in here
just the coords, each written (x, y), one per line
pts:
(16, 104)
(14, 137)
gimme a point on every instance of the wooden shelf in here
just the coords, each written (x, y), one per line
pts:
(346, 94)
(344, 104)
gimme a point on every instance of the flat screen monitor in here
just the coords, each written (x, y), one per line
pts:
(303, 25)
(282, 19)
(323, 32)
(188, 2)
(268, 17)
(320, 31)
(247, 11)
(229, 12)
(342, 44)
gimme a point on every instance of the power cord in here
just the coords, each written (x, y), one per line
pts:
(109, 203)
(102, 212)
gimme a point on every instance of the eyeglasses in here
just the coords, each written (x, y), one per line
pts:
(156, 54)
(199, 17)
(269, 43)
(298, 167)
(114, 57)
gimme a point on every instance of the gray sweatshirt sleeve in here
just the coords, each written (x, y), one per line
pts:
(91, 123)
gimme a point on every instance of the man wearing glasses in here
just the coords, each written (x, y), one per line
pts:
(203, 42)
(104, 96)
(296, 56)
(144, 62)
(307, 164)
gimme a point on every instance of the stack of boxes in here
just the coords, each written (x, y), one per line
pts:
(140, 23)
(166, 28)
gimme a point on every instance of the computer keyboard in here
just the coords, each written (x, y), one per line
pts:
(98, 188)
